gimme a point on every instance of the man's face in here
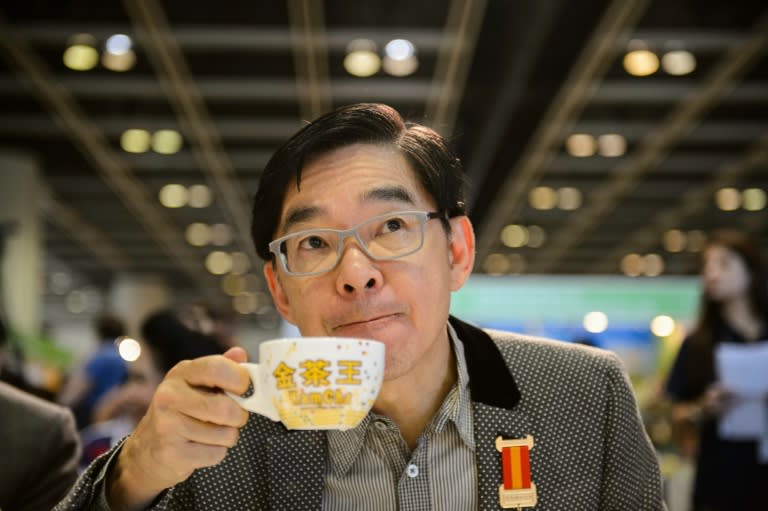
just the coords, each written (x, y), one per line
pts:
(403, 302)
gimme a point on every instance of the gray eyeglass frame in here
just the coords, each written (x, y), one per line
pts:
(274, 245)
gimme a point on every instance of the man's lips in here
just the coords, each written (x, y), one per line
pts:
(371, 322)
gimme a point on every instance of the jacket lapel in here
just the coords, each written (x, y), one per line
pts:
(495, 410)
(297, 461)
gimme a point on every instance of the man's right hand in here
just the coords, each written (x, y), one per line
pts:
(190, 424)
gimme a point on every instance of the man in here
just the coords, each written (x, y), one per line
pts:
(39, 450)
(360, 219)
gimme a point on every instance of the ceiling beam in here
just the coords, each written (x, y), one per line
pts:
(176, 81)
(598, 53)
(654, 147)
(96, 149)
(462, 29)
(310, 56)
(234, 39)
(93, 239)
(231, 90)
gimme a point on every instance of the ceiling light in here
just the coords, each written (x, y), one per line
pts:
(728, 199)
(119, 62)
(753, 199)
(678, 62)
(653, 265)
(399, 49)
(674, 240)
(218, 262)
(118, 44)
(135, 141)
(166, 141)
(199, 196)
(662, 326)
(245, 303)
(536, 236)
(641, 62)
(221, 234)
(595, 322)
(403, 67)
(129, 349)
(362, 59)
(232, 284)
(173, 196)
(81, 54)
(198, 234)
(611, 145)
(400, 58)
(241, 263)
(61, 282)
(542, 197)
(568, 198)
(632, 265)
(580, 145)
(514, 236)
(75, 302)
(496, 264)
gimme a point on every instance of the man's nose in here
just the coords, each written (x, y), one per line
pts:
(356, 271)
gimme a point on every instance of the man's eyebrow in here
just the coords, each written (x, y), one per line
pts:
(300, 214)
(390, 194)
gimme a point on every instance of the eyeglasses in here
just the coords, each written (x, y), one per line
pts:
(383, 237)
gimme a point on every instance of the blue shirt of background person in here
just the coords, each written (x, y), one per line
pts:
(103, 371)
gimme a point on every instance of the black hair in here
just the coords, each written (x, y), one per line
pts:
(436, 167)
(109, 328)
(171, 341)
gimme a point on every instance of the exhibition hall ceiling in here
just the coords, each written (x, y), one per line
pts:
(600, 137)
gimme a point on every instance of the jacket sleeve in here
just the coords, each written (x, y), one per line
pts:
(631, 478)
(89, 493)
(58, 454)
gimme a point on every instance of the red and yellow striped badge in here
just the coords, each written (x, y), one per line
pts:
(516, 467)
(517, 490)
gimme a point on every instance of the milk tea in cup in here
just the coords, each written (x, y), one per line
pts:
(315, 382)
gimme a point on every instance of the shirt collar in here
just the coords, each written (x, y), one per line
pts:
(344, 446)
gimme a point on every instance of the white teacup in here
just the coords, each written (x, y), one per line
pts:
(315, 382)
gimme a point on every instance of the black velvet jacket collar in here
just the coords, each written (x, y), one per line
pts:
(487, 370)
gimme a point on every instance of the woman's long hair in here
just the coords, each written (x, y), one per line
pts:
(703, 338)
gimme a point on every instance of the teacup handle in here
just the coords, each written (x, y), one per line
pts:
(260, 400)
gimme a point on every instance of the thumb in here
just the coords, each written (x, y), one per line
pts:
(237, 354)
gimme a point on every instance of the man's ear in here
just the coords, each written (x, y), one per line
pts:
(461, 248)
(279, 295)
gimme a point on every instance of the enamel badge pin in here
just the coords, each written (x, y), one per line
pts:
(517, 490)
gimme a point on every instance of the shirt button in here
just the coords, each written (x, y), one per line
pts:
(412, 470)
(380, 425)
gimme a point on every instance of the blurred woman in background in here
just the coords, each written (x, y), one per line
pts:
(734, 309)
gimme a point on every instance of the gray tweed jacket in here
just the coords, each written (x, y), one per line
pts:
(39, 451)
(591, 451)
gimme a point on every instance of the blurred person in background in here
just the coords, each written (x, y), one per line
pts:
(39, 449)
(734, 309)
(103, 371)
(166, 342)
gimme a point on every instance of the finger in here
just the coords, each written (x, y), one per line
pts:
(237, 354)
(215, 371)
(206, 433)
(178, 396)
